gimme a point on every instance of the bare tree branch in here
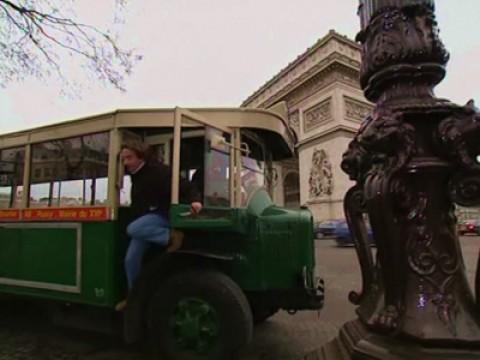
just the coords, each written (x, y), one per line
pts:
(34, 35)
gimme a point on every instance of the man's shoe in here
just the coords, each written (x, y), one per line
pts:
(176, 241)
(121, 305)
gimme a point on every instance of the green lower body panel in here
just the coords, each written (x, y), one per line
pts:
(70, 262)
(42, 256)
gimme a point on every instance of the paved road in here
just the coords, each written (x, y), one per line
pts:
(24, 336)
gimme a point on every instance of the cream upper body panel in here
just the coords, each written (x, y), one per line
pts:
(255, 119)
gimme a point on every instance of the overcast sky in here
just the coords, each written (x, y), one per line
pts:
(218, 52)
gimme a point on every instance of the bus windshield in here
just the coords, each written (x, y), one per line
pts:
(254, 164)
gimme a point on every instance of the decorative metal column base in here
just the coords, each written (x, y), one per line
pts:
(414, 157)
(355, 342)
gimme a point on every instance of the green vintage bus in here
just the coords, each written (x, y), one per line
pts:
(64, 209)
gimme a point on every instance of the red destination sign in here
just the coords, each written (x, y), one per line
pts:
(9, 215)
(66, 214)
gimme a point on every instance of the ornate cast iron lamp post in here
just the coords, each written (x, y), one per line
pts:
(414, 157)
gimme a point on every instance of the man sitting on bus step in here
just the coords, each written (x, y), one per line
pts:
(150, 203)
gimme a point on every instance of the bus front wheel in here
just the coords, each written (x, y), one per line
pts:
(199, 314)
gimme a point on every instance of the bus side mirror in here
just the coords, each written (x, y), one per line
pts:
(244, 148)
(219, 142)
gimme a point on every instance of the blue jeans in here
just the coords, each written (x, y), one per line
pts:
(147, 229)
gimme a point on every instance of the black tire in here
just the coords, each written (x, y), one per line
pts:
(262, 314)
(231, 311)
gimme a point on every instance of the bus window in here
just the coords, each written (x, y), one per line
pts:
(11, 177)
(159, 142)
(70, 172)
(128, 137)
(253, 166)
(204, 168)
(125, 191)
(217, 170)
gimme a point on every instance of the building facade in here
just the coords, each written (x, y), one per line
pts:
(326, 107)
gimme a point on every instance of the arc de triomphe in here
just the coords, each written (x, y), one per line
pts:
(325, 106)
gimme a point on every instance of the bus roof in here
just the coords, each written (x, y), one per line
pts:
(271, 125)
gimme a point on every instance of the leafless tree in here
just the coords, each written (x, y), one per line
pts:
(35, 35)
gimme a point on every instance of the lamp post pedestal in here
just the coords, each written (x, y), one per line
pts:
(413, 159)
(355, 342)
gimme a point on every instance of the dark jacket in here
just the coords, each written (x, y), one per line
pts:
(151, 190)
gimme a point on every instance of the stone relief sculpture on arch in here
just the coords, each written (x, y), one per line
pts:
(321, 175)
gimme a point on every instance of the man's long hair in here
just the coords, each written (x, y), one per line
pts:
(142, 150)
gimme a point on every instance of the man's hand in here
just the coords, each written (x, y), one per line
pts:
(196, 207)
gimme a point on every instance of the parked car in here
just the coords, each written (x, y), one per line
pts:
(343, 236)
(326, 228)
(469, 227)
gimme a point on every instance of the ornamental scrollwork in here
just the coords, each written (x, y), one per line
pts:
(459, 139)
(384, 142)
(407, 35)
(434, 266)
(413, 158)
(465, 189)
(459, 136)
